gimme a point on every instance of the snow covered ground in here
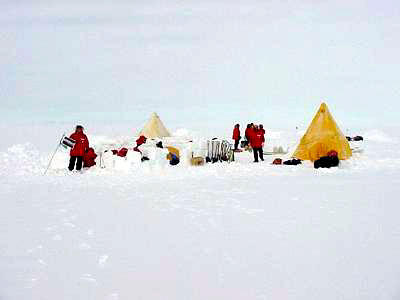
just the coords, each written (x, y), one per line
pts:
(222, 231)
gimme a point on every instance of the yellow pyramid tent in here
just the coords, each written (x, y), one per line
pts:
(322, 136)
(154, 128)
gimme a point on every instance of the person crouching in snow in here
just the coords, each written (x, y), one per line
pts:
(256, 142)
(140, 141)
(79, 149)
(236, 136)
(88, 158)
(173, 156)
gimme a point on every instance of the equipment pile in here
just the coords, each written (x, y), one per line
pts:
(219, 151)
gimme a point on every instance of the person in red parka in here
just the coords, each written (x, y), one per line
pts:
(79, 149)
(248, 132)
(140, 141)
(236, 135)
(88, 158)
(263, 132)
(256, 142)
(262, 128)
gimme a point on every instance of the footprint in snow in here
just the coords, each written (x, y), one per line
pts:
(69, 224)
(102, 261)
(252, 211)
(49, 228)
(88, 278)
(70, 219)
(113, 296)
(31, 250)
(57, 237)
(31, 283)
(84, 246)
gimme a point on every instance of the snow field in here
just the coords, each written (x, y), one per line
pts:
(238, 231)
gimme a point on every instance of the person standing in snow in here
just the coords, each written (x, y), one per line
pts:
(140, 141)
(236, 136)
(247, 134)
(78, 151)
(256, 142)
(262, 128)
(263, 133)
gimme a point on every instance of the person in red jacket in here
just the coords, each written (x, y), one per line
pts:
(78, 151)
(140, 141)
(256, 142)
(88, 158)
(248, 133)
(263, 132)
(236, 135)
(262, 128)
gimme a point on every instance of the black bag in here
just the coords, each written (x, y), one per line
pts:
(358, 138)
(292, 162)
(326, 162)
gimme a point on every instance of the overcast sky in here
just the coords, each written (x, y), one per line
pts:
(198, 62)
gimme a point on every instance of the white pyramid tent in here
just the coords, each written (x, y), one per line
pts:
(154, 128)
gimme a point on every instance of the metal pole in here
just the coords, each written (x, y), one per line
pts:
(58, 146)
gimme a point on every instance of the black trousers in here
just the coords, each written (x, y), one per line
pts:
(258, 152)
(78, 160)
(236, 144)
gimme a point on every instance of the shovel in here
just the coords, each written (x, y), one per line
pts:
(216, 153)
(213, 148)
(224, 155)
(208, 159)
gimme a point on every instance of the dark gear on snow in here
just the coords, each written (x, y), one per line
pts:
(326, 162)
(292, 162)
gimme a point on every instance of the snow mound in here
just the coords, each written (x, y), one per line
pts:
(184, 133)
(376, 135)
(21, 159)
